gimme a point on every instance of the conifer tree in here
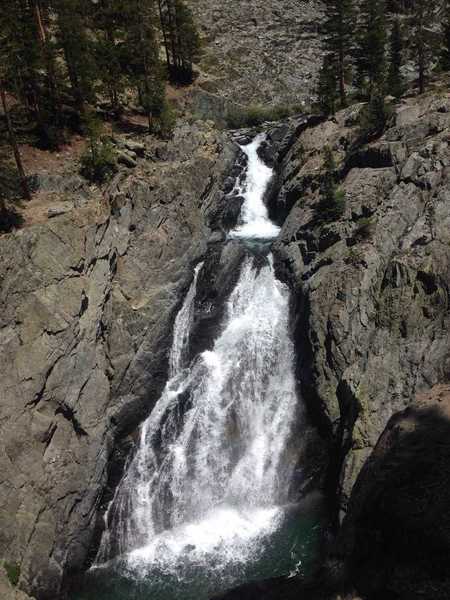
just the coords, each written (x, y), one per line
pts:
(395, 85)
(180, 37)
(142, 52)
(77, 48)
(108, 24)
(331, 206)
(339, 26)
(327, 86)
(421, 19)
(445, 51)
(19, 54)
(14, 146)
(370, 59)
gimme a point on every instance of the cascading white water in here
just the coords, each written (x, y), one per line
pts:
(212, 470)
(255, 221)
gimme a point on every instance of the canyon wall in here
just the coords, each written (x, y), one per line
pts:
(87, 304)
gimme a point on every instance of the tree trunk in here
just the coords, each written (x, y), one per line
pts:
(13, 142)
(43, 38)
(164, 33)
(342, 78)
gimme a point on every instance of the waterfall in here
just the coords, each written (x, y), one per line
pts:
(255, 221)
(212, 471)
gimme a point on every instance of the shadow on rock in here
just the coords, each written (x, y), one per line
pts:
(395, 539)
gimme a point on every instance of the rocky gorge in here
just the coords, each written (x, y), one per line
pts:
(89, 296)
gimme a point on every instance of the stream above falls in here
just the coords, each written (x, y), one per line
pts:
(208, 500)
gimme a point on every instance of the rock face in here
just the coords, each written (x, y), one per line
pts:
(259, 51)
(87, 302)
(372, 288)
(396, 538)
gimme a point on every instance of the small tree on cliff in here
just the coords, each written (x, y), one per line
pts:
(445, 51)
(327, 86)
(332, 199)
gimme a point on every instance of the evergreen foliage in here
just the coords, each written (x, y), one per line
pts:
(332, 200)
(423, 48)
(370, 48)
(339, 27)
(181, 39)
(445, 51)
(374, 117)
(395, 84)
(98, 162)
(327, 86)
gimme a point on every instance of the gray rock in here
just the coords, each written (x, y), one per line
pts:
(125, 158)
(59, 209)
(87, 303)
(396, 537)
(372, 326)
(136, 148)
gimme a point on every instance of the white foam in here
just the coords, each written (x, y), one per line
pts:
(254, 216)
(224, 536)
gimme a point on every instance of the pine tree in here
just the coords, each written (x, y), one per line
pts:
(20, 55)
(445, 51)
(180, 37)
(332, 202)
(421, 19)
(339, 26)
(107, 23)
(370, 54)
(142, 52)
(77, 48)
(395, 84)
(14, 146)
(327, 86)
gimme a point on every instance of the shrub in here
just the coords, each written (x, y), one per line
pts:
(365, 228)
(164, 122)
(12, 572)
(98, 163)
(255, 115)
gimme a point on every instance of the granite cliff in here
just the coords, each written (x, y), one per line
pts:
(87, 304)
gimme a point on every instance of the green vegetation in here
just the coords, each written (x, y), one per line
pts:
(374, 117)
(61, 59)
(12, 572)
(331, 206)
(395, 84)
(338, 28)
(445, 51)
(255, 115)
(365, 228)
(357, 48)
(369, 52)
